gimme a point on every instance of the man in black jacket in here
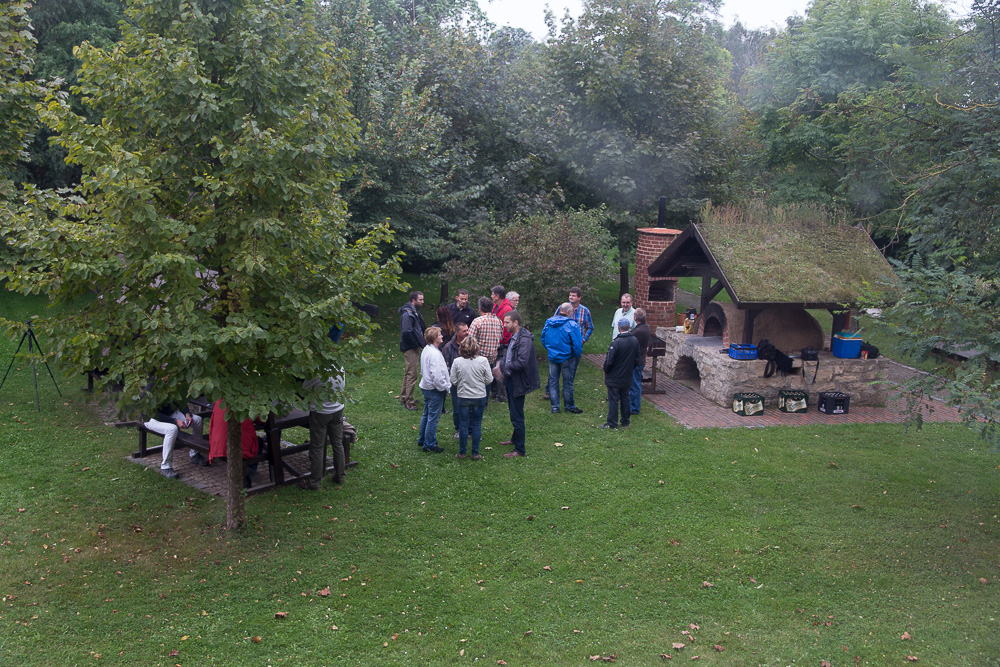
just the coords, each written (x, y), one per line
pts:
(520, 370)
(642, 333)
(619, 363)
(411, 342)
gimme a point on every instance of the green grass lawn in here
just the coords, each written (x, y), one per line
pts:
(819, 543)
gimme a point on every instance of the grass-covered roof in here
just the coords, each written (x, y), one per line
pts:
(793, 254)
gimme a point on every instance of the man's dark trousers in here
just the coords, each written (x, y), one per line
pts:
(515, 405)
(618, 399)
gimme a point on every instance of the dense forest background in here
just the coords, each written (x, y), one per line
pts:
(886, 109)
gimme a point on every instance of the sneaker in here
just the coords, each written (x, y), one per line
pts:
(475, 457)
(169, 473)
(434, 450)
(198, 460)
(609, 426)
(459, 456)
(456, 435)
(546, 395)
(574, 410)
(556, 410)
(513, 455)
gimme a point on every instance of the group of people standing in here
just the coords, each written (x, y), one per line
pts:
(473, 354)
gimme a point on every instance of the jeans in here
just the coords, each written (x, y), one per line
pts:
(471, 422)
(617, 398)
(515, 405)
(322, 427)
(433, 404)
(568, 371)
(454, 405)
(635, 392)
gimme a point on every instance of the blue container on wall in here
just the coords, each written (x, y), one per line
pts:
(846, 345)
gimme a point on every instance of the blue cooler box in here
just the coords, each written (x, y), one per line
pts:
(846, 345)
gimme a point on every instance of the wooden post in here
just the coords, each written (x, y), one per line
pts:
(748, 318)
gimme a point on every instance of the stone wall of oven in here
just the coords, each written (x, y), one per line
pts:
(721, 376)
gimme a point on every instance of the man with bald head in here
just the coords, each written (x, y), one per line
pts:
(563, 342)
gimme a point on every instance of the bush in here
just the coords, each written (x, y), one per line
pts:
(539, 257)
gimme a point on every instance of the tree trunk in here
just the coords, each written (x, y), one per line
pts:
(235, 513)
(445, 297)
(623, 279)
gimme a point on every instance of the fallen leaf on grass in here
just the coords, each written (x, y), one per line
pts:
(415, 428)
(911, 658)
(984, 580)
(281, 614)
(905, 635)
(685, 632)
(527, 633)
(501, 663)
(719, 648)
(323, 593)
(185, 638)
(707, 584)
(695, 626)
(825, 663)
(565, 507)
(174, 653)
(696, 657)
(558, 444)
(547, 568)
(462, 652)
(256, 639)
(677, 646)
(666, 656)
(334, 627)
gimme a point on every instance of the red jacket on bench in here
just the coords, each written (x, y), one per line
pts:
(218, 432)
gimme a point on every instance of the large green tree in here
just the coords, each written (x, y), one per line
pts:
(636, 86)
(18, 92)
(207, 222)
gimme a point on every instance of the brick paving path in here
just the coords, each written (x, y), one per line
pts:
(212, 479)
(695, 411)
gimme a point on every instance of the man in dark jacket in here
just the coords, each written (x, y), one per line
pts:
(411, 342)
(520, 371)
(460, 309)
(564, 344)
(642, 333)
(619, 363)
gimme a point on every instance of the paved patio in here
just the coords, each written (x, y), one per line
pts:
(693, 410)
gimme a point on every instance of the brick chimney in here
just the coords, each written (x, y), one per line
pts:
(655, 295)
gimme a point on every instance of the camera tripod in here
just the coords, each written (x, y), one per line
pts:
(29, 335)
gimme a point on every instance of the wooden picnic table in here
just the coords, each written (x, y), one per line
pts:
(281, 472)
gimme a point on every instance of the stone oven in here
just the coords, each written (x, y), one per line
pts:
(773, 275)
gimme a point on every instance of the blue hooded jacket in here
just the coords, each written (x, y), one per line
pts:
(562, 338)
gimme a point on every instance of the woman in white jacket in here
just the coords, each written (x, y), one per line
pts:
(471, 375)
(435, 384)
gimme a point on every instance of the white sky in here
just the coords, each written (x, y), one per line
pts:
(530, 14)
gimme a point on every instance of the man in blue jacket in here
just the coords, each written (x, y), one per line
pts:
(563, 341)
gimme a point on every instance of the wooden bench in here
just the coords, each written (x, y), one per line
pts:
(183, 440)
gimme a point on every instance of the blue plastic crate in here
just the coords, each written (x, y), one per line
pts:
(745, 352)
(846, 345)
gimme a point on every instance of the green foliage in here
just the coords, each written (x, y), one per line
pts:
(61, 26)
(207, 222)
(636, 84)
(18, 92)
(842, 50)
(540, 257)
(402, 167)
(944, 311)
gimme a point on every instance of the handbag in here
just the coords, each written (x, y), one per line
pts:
(810, 354)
